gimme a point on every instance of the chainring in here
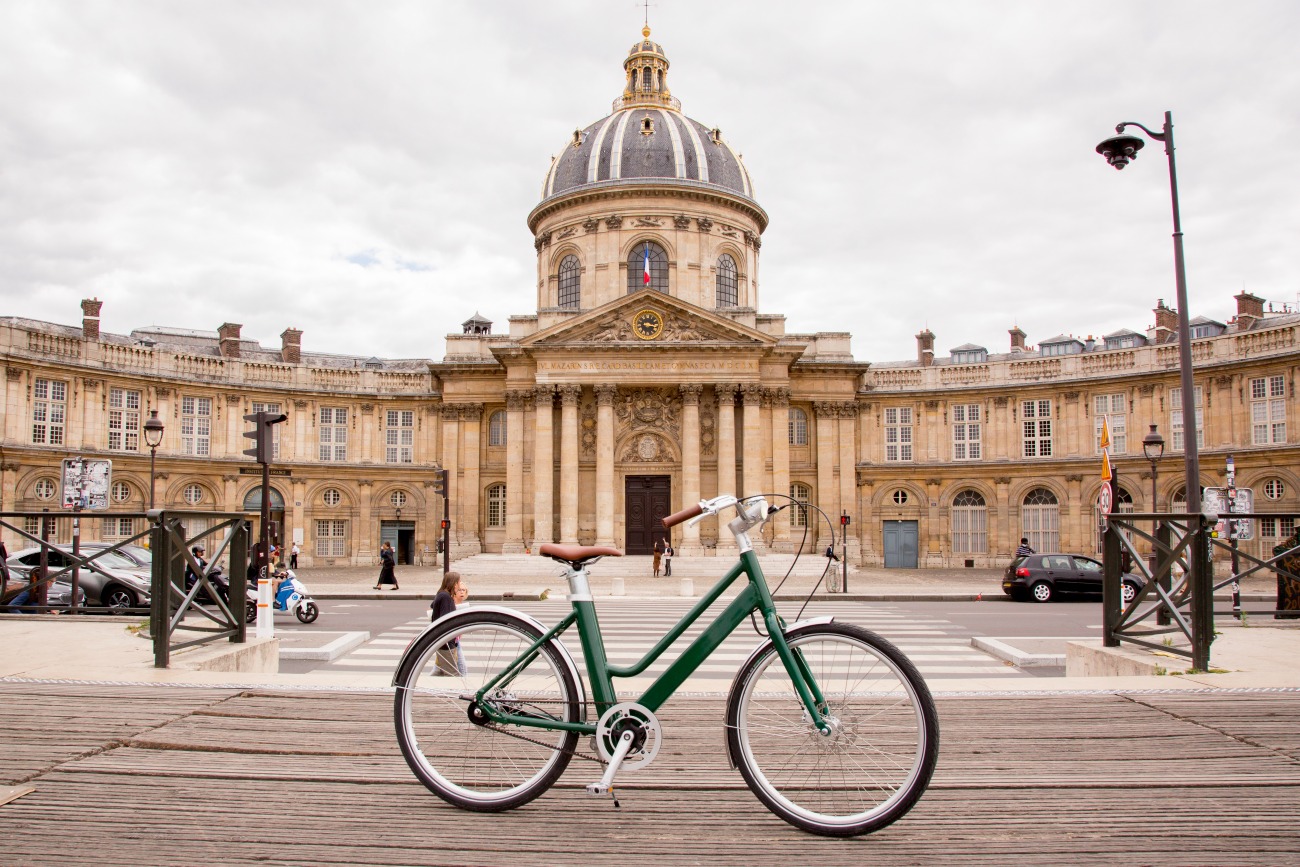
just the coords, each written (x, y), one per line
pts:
(647, 734)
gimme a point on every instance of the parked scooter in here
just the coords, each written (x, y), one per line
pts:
(290, 595)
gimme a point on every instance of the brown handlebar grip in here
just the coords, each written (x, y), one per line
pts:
(684, 515)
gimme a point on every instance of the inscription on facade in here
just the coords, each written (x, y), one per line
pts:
(606, 365)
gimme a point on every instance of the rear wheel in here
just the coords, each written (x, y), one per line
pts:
(449, 739)
(1127, 591)
(1042, 592)
(884, 740)
(118, 598)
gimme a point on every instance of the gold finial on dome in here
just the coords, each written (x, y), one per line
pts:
(645, 31)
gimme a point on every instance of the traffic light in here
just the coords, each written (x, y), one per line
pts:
(262, 435)
(440, 483)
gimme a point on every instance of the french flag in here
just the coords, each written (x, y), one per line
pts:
(645, 274)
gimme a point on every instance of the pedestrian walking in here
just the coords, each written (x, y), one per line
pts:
(1024, 550)
(668, 559)
(659, 553)
(387, 567)
(293, 556)
(450, 659)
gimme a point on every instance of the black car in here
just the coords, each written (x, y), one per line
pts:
(1042, 577)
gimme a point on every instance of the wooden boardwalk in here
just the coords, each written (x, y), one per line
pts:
(170, 775)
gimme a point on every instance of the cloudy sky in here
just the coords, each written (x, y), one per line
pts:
(363, 170)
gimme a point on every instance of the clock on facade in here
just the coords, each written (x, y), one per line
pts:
(647, 324)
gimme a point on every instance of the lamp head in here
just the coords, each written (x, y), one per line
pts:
(1153, 445)
(153, 430)
(1120, 150)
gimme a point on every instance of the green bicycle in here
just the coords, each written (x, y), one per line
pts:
(830, 725)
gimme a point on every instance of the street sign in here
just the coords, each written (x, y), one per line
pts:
(86, 483)
(1103, 500)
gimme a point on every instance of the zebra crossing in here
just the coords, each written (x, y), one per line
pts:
(939, 648)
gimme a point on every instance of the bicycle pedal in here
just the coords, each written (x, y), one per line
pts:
(597, 789)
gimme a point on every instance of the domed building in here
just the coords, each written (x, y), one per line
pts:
(649, 377)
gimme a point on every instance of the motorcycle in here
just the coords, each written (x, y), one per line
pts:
(290, 595)
(217, 578)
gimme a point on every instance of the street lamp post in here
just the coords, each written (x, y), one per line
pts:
(1153, 446)
(1119, 151)
(153, 434)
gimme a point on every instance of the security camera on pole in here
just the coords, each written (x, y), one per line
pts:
(264, 450)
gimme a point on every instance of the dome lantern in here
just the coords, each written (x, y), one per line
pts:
(646, 81)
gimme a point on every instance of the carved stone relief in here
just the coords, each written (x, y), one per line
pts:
(614, 221)
(649, 409)
(708, 429)
(567, 232)
(682, 221)
(704, 223)
(591, 224)
(587, 427)
(646, 448)
(648, 222)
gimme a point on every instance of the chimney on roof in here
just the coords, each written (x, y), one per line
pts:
(291, 346)
(229, 334)
(925, 348)
(1017, 339)
(90, 318)
(1250, 309)
(1166, 322)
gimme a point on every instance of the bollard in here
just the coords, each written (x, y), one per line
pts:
(616, 586)
(687, 587)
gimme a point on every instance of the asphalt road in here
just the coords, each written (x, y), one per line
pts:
(995, 617)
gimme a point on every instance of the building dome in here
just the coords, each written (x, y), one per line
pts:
(647, 139)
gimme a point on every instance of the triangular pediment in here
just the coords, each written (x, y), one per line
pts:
(672, 322)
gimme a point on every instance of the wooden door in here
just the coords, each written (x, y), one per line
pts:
(646, 500)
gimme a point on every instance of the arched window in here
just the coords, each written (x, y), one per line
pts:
(647, 256)
(496, 506)
(193, 495)
(44, 489)
(1040, 518)
(121, 492)
(969, 523)
(570, 283)
(798, 427)
(800, 494)
(497, 429)
(726, 281)
(332, 497)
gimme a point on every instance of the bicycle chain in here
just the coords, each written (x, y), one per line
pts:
(573, 752)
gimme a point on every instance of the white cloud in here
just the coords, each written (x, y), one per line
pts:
(363, 171)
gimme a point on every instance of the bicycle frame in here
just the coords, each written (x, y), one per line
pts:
(600, 674)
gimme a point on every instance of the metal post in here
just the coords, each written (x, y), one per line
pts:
(1111, 587)
(1232, 537)
(844, 551)
(446, 533)
(239, 580)
(160, 592)
(1202, 603)
(153, 454)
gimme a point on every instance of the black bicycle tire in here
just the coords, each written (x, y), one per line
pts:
(895, 807)
(406, 738)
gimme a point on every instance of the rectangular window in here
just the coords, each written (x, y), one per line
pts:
(1176, 418)
(196, 426)
(1268, 410)
(1113, 408)
(969, 530)
(898, 433)
(119, 528)
(399, 437)
(123, 420)
(49, 411)
(1036, 425)
(331, 538)
(966, 432)
(275, 428)
(333, 433)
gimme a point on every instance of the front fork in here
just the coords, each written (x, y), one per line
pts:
(796, 666)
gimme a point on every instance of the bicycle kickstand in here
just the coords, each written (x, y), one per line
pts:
(606, 784)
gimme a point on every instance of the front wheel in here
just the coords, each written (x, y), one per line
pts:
(1042, 592)
(450, 740)
(307, 613)
(883, 744)
(119, 598)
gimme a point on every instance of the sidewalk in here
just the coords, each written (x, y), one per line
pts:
(1265, 653)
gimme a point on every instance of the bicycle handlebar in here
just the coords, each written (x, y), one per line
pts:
(684, 515)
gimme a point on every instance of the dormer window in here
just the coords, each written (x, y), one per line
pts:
(647, 126)
(1062, 345)
(1206, 330)
(969, 354)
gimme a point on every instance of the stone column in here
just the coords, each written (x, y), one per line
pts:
(1076, 531)
(363, 529)
(570, 395)
(1004, 533)
(726, 394)
(827, 496)
(848, 413)
(543, 466)
(514, 541)
(451, 463)
(690, 539)
(1078, 437)
(605, 463)
(298, 509)
(778, 400)
(752, 462)
(369, 434)
(471, 518)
